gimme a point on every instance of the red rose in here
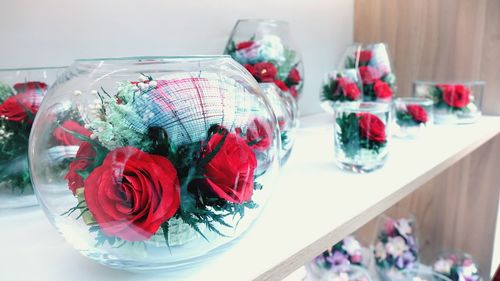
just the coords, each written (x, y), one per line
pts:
(32, 87)
(229, 175)
(369, 74)
(281, 123)
(83, 160)
(259, 135)
(371, 127)
(132, 193)
(244, 45)
(455, 96)
(293, 77)
(19, 107)
(382, 90)
(281, 85)
(364, 56)
(293, 91)
(250, 69)
(417, 112)
(66, 138)
(351, 91)
(265, 71)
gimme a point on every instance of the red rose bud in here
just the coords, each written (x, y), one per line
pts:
(83, 160)
(369, 74)
(417, 112)
(382, 90)
(66, 136)
(250, 69)
(259, 135)
(281, 85)
(351, 91)
(265, 71)
(230, 173)
(457, 96)
(371, 127)
(364, 56)
(293, 77)
(244, 45)
(132, 193)
(32, 87)
(20, 107)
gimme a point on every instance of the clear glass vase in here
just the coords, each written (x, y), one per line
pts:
(395, 244)
(421, 273)
(266, 50)
(372, 61)
(412, 116)
(361, 136)
(164, 160)
(454, 102)
(457, 266)
(21, 93)
(341, 86)
(285, 109)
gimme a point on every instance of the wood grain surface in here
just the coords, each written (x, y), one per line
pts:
(436, 40)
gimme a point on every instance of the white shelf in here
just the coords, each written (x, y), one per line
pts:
(314, 205)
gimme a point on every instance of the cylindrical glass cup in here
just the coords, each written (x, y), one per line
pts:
(457, 266)
(372, 60)
(455, 102)
(341, 86)
(267, 51)
(175, 158)
(21, 93)
(411, 116)
(361, 135)
(285, 109)
(395, 243)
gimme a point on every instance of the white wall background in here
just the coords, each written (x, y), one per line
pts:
(54, 32)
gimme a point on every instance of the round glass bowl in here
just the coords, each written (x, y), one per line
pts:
(163, 159)
(21, 93)
(420, 273)
(361, 135)
(457, 266)
(285, 109)
(395, 244)
(455, 102)
(341, 86)
(411, 116)
(265, 49)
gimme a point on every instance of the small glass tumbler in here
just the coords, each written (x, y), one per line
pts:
(454, 103)
(361, 135)
(411, 116)
(341, 86)
(457, 266)
(372, 60)
(395, 244)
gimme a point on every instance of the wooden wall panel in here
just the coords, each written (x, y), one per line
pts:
(457, 209)
(436, 40)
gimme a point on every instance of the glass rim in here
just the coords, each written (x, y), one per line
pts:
(357, 106)
(259, 20)
(152, 58)
(453, 82)
(416, 99)
(33, 68)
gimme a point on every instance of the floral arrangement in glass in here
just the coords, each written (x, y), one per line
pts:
(166, 168)
(421, 273)
(411, 115)
(373, 63)
(454, 103)
(457, 267)
(21, 93)
(264, 48)
(395, 247)
(341, 86)
(361, 135)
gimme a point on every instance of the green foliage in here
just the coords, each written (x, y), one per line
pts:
(403, 118)
(332, 91)
(5, 92)
(350, 137)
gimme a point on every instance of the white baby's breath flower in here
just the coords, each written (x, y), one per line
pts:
(380, 252)
(443, 265)
(403, 226)
(396, 246)
(351, 245)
